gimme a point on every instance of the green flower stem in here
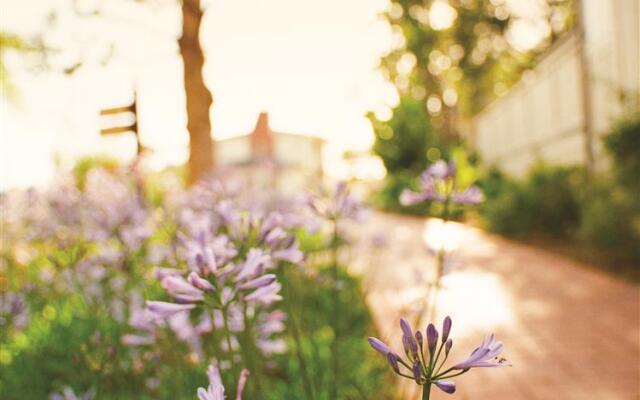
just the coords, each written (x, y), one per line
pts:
(426, 391)
(249, 351)
(444, 376)
(297, 337)
(336, 306)
(227, 334)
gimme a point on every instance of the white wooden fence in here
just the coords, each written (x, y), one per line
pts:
(542, 118)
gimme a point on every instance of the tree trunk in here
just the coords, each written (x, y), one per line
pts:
(198, 97)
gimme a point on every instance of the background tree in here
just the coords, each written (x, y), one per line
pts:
(450, 59)
(198, 96)
(46, 56)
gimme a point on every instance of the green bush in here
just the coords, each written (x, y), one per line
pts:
(610, 221)
(546, 201)
(623, 145)
(388, 199)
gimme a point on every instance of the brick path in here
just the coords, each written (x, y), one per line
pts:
(569, 331)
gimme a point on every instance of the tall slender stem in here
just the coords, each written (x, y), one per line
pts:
(297, 338)
(227, 333)
(426, 391)
(249, 350)
(336, 307)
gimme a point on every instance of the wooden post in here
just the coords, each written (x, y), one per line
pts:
(117, 130)
(585, 83)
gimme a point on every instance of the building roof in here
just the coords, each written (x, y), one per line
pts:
(263, 131)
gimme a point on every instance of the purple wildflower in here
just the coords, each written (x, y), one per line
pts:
(165, 310)
(427, 370)
(484, 356)
(438, 183)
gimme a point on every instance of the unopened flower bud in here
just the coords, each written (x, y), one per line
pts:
(432, 337)
(393, 361)
(417, 372)
(447, 346)
(446, 328)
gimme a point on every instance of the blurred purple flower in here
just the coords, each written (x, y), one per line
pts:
(438, 183)
(165, 310)
(215, 390)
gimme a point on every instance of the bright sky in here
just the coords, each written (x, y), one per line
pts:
(310, 64)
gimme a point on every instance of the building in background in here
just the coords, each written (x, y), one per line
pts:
(270, 160)
(559, 111)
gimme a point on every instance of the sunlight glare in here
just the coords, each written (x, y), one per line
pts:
(441, 15)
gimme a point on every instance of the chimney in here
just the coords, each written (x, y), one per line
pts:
(262, 139)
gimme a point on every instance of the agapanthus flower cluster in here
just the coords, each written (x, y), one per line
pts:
(438, 183)
(218, 287)
(339, 204)
(425, 356)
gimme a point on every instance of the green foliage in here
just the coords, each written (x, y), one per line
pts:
(8, 42)
(84, 165)
(403, 141)
(363, 374)
(508, 208)
(546, 201)
(69, 342)
(623, 145)
(610, 219)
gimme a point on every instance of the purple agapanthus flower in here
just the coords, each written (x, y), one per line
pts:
(438, 183)
(425, 365)
(486, 355)
(337, 205)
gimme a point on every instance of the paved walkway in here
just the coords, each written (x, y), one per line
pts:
(570, 332)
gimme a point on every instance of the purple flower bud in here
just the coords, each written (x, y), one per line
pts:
(447, 346)
(264, 280)
(446, 328)
(408, 341)
(417, 371)
(406, 328)
(419, 338)
(187, 298)
(178, 285)
(432, 337)
(405, 344)
(379, 346)
(266, 294)
(165, 310)
(199, 282)
(446, 386)
(392, 358)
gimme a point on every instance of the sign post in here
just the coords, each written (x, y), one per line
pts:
(120, 129)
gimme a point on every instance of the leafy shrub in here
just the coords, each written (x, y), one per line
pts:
(623, 145)
(546, 201)
(508, 208)
(610, 220)
(555, 196)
